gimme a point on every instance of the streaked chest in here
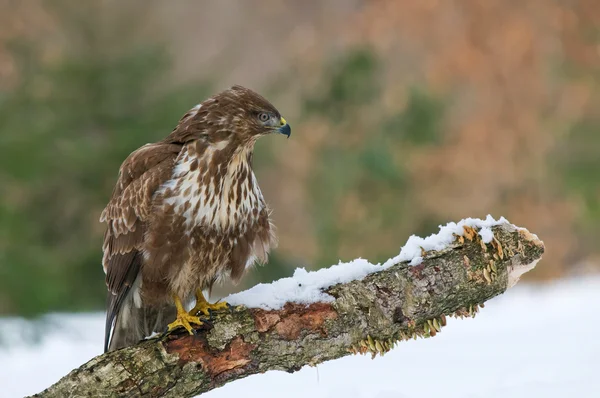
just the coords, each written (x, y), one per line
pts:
(215, 189)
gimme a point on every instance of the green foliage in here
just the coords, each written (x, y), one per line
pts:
(370, 168)
(352, 82)
(576, 161)
(579, 168)
(421, 122)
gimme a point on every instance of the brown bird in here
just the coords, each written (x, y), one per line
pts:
(185, 212)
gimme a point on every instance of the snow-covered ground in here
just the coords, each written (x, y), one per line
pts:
(534, 341)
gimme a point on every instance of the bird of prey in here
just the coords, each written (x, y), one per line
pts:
(185, 212)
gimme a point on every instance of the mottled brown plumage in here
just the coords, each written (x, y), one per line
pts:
(186, 212)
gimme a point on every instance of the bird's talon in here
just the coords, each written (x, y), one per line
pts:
(184, 319)
(204, 307)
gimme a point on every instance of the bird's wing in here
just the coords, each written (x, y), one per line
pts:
(140, 176)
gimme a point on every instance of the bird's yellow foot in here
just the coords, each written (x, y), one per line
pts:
(184, 319)
(203, 306)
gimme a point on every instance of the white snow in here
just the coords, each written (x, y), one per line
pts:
(533, 341)
(152, 335)
(486, 234)
(441, 240)
(306, 287)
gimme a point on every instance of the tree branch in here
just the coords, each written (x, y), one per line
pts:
(366, 316)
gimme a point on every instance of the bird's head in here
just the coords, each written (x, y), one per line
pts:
(237, 113)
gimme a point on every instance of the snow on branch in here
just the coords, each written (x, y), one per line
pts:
(312, 317)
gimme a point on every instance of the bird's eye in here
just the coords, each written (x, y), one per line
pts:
(263, 117)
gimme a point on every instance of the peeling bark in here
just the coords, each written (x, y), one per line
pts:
(367, 316)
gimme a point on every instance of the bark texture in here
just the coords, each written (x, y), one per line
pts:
(367, 316)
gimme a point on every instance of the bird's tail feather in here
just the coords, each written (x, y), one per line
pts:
(134, 322)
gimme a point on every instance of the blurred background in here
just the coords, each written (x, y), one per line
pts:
(406, 114)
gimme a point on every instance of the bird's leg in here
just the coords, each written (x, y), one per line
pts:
(184, 319)
(203, 306)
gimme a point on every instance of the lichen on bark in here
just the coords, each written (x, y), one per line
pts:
(368, 316)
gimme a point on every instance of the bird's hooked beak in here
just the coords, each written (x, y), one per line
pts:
(285, 128)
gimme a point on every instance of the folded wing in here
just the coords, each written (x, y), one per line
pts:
(140, 176)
